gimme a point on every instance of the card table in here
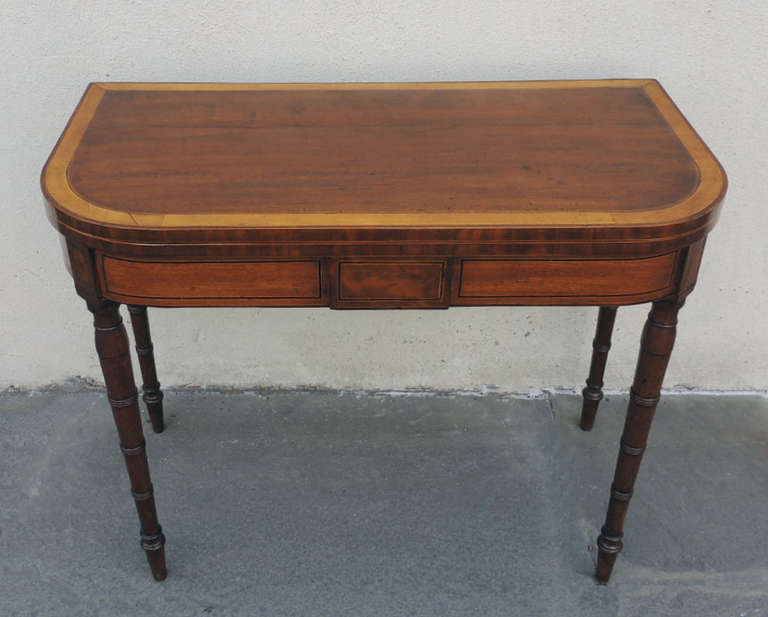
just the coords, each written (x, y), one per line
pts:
(382, 196)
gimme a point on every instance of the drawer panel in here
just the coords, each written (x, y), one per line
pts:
(390, 283)
(487, 281)
(201, 282)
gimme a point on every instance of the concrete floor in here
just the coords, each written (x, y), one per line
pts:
(345, 504)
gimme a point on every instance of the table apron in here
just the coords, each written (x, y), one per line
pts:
(376, 282)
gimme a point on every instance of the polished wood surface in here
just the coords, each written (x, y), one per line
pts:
(381, 152)
(203, 282)
(376, 196)
(502, 279)
(391, 281)
(613, 153)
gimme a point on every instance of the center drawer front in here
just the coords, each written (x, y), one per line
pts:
(195, 283)
(390, 283)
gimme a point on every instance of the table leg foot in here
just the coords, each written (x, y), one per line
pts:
(154, 547)
(655, 348)
(151, 392)
(113, 349)
(609, 548)
(601, 344)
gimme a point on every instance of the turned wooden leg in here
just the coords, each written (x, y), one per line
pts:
(655, 348)
(593, 393)
(151, 393)
(113, 349)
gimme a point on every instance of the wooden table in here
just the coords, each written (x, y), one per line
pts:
(415, 195)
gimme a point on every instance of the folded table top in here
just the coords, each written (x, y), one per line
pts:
(583, 159)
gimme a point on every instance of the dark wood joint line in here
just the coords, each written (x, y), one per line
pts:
(643, 401)
(620, 495)
(153, 542)
(658, 324)
(135, 450)
(601, 348)
(631, 450)
(153, 396)
(145, 351)
(114, 328)
(124, 402)
(143, 496)
(610, 543)
(657, 354)
(593, 392)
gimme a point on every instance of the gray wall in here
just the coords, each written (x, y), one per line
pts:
(711, 57)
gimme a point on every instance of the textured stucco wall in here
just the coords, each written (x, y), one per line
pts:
(711, 56)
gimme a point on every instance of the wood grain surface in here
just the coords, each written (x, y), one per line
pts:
(498, 154)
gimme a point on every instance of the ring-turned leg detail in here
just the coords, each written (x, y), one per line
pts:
(151, 393)
(113, 349)
(655, 348)
(601, 344)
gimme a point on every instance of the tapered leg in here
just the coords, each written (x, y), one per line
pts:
(593, 393)
(655, 348)
(112, 347)
(151, 393)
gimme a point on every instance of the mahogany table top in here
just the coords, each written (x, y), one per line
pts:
(606, 155)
